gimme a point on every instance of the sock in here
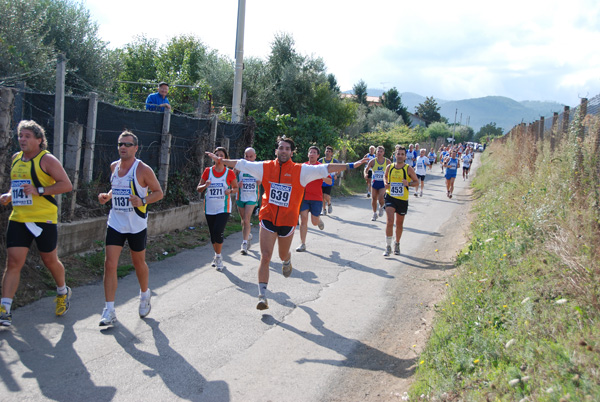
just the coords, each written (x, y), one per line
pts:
(62, 290)
(110, 305)
(262, 288)
(217, 255)
(244, 241)
(146, 294)
(388, 241)
(7, 303)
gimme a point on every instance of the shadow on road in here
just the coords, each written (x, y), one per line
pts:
(50, 364)
(177, 374)
(376, 361)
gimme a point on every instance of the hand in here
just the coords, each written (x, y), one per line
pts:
(5, 198)
(103, 198)
(228, 191)
(30, 189)
(135, 201)
(214, 157)
(360, 162)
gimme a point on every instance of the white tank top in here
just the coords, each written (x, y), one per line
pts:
(124, 217)
(248, 188)
(215, 200)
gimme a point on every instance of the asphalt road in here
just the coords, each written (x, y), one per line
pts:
(205, 341)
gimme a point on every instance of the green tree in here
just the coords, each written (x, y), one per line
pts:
(489, 130)
(360, 92)
(393, 101)
(382, 118)
(429, 111)
(138, 64)
(438, 130)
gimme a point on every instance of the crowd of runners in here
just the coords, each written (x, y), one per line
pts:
(292, 192)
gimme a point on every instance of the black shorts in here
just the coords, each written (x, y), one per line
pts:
(136, 241)
(421, 177)
(401, 206)
(370, 174)
(327, 189)
(17, 235)
(282, 231)
(466, 169)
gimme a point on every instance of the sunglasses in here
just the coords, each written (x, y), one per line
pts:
(127, 144)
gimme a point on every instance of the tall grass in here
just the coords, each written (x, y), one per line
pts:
(521, 317)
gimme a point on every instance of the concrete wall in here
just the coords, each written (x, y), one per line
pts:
(81, 236)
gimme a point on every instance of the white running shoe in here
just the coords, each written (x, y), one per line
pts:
(262, 303)
(374, 218)
(321, 225)
(381, 209)
(145, 306)
(249, 240)
(329, 208)
(109, 317)
(286, 268)
(324, 212)
(214, 262)
(421, 194)
(244, 249)
(301, 247)
(219, 264)
(397, 248)
(388, 251)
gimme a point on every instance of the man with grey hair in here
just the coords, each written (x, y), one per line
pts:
(36, 177)
(247, 199)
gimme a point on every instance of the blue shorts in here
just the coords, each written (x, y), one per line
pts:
(450, 174)
(377, 184)
(315, 207)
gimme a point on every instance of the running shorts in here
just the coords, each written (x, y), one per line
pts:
(17, 235)
(136, 241)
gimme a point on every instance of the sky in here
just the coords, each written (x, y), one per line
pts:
(452, 50)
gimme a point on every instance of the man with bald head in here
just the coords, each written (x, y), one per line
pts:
(247, 199)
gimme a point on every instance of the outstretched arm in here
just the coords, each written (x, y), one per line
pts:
(227, 162)
(338, 167)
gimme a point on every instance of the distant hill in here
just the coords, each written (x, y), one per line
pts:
(503, 111)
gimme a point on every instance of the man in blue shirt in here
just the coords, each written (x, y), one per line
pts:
(157, 102)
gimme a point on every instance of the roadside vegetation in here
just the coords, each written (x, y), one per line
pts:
(521, 317)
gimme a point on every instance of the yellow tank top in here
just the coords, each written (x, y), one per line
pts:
(31, 208)
(379, 170)
(395, 177)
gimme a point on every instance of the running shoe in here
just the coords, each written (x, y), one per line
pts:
(324, 212)
(286, 268)
(301, 247)
(63, 302)
(214, 262)
(421, 194)
(109, 317)
(388, 251)
(368, 195)
(416, 194)
(329, 208)
(262, 303)
(5, 317)
(219, 264)
(321, 225)
(244, 249)
(381, 209)
(397, 248)
(249, 240)
(374, 218)
(145, 306)
(450, 195)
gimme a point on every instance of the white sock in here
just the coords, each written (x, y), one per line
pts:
(244, 241)
(146, 294)
(388, 241)
(262, 289)
(217, 255)
(62, 290)
(110, 305)
(7, 303)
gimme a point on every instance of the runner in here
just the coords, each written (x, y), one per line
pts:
(284, 182)
(443, 155)
(368, 172)
(421, 171)
(328, 158)
(451, 163)
(432, 156)
(398, 177)
(247, 200)
(467, 158)
(133, 187)
(36, 177)
(313, 200)
(220, 183)
(378, 166)
(411, 156)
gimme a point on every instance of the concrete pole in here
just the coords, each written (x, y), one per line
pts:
(236, 113)
(59, 116)
(90, 138)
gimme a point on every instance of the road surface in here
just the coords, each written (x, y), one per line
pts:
(347, 324)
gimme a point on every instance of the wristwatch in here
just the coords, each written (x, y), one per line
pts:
(143, 201)
(40, 190)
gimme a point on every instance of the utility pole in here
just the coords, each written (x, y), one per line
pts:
(454, 127)
(59, 116)
(236, 114)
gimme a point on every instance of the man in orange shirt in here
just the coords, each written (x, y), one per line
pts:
(284, 182)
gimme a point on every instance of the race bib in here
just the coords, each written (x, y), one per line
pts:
(19, 198)
(120, 199)
(280, 194)
(396, 189)
(216, 191)
(248, 186)
(378, 175)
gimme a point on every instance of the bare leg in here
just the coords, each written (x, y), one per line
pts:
(141, 268)
(15, 260)
(399, 227)
(267, 244)
(111, 261)
(56, 268)
(303, 225)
